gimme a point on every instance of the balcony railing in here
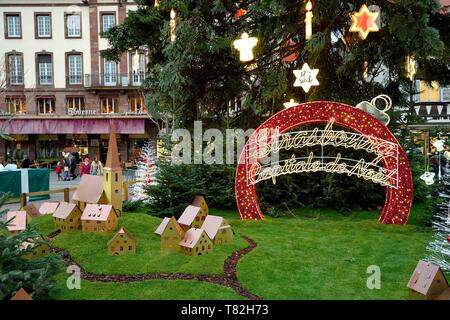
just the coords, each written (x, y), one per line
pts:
(432, 112)
(114, 80)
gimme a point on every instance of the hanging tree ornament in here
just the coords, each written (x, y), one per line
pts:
(308, 21)
(364, 22)
(428, 177)
(157, 3)
(290, 104)
(173, 25)
(245, 46)
(411, 67)
(371, 108)
(306, 77)
(240, 13)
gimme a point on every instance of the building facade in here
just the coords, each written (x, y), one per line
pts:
(56, 89)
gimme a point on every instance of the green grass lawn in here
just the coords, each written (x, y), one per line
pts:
(319, 254)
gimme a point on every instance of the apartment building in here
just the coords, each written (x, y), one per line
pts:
(56, 91)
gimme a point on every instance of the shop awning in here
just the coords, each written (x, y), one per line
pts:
(74, 126)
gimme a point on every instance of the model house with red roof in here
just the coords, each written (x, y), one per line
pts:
(39, 247)
(199, 201)
(67, 217)
(192, 217)
(48, 208)
(31, 210)
(105, 189)
(196, 243)
(21, 294)
(218, 230)
(17, 221)
(428, 282)
(99, 218)
(171, 234)
(122, 243)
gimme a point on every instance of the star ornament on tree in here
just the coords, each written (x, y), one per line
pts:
(306, 77)
(364, 22)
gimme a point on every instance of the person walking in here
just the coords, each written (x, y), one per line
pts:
(67, 163)
(59, 169)
(96, 167)
(72, 166)
(85, 167)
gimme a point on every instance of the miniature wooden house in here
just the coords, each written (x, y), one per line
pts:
(99, 218)
(31, 210)
(218, 230)
(89, 190)
(106, 189)
(196, 243)
(21, 294)
(48, 208)
(17, 221)
(39, 249)
(199, 201)
(67, 217)
(171, 234)
(192, 217)
(427, 282)
(122, 243)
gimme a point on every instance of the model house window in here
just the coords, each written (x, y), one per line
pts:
(110, 73)
(138, 68)
(108, 21)
(75, 69)
(43, 25)
(136, 104)
(73, 25)
(429, 92)
(15, 62)
(16, 105)
(109, 104)
(75, 104)
(13, 26)
(45, 69)
(46, 105)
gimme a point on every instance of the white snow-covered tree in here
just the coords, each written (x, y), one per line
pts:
(439, 247)
(146, 171)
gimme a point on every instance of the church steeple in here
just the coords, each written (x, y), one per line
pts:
(112, 159)
(112, 177)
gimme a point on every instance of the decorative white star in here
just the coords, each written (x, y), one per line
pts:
(306, 77)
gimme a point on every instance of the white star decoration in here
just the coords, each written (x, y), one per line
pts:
(306, 77)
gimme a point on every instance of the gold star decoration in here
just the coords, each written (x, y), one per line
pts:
(306, 77)
(364, 22)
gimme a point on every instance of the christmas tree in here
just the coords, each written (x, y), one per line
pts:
(439, 247)
(146, 171)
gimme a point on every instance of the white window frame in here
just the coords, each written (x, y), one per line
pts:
(109, 73)
(75, 69)
(73, 25)
(17, 105)
(45, 71)
(139, 109)
(138, 77)
(39, 101)
(15, 69)
(78, 103)
(108, 21)
(43, 24)
(113, 104)
(13, 29)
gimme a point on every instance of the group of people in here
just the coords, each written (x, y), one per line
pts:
(66, 168)
(441, 160)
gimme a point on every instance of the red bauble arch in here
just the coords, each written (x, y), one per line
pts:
(398, 201)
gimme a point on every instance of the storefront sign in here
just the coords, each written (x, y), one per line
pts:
(75, 112)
